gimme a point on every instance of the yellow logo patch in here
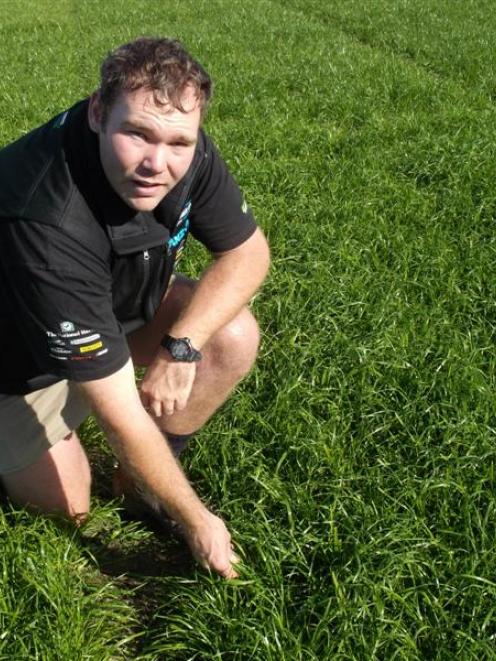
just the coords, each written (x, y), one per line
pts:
(91, 347)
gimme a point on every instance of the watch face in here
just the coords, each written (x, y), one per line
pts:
(180, 350)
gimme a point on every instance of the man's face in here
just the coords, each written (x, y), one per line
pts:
(145, 148)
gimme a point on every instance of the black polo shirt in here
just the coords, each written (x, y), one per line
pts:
(79, 269)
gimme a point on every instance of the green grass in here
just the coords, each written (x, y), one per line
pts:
(355, 466)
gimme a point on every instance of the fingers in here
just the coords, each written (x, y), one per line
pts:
(212, 547)
(168, 390)
(159, 408)
(152, 406)
(226, 568)
(156, 409)
(234, 559)
(168, 407)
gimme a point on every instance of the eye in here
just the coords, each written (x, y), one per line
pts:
(136, 134)
(182, 145)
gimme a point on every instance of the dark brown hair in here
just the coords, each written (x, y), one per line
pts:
(160, 65)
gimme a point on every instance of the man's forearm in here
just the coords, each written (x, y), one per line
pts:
(226, 286)
(140, 445)
(141, 448)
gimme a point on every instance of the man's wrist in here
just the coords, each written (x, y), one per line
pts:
(181, 349)
(193, 515)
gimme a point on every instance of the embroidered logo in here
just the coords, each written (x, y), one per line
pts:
(67, 326)
(73, 343)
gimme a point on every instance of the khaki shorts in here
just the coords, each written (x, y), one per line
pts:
(31, 424)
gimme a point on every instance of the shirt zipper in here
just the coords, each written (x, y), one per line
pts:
(146, 285)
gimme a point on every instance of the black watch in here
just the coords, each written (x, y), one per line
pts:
(181, 349)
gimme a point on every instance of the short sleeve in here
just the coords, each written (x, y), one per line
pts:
(220, 217)
(59, 298)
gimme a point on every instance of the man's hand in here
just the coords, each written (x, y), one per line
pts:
(210, 543)
(167, 385)
(139, 446)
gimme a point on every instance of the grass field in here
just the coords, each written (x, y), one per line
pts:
(356, 464)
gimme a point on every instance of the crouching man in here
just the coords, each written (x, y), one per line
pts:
(95, 209)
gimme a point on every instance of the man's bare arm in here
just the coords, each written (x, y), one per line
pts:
(227, 285)
(140, 446)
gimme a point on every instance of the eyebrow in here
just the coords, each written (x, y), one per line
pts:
(136, 125)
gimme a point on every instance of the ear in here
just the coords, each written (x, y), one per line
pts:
(95, 112)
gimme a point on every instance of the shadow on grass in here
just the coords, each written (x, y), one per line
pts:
(160, 552)
(163, 554)
(140, 569)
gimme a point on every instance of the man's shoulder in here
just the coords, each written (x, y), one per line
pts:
(207, 162)
(35, 182)
(206, 148)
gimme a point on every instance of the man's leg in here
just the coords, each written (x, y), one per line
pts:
(227, 358)
(42, 462)
(58, 481)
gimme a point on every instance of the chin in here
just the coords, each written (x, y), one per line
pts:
(143, 203)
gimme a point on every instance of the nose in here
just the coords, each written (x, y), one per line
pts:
(155, 159)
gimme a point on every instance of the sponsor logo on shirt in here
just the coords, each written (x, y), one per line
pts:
(73, 343)
(86, 339)
(67, 326)
(91, 347)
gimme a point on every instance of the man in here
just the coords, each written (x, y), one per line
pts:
(95, 207)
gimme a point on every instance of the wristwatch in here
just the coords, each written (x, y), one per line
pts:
(181, 349)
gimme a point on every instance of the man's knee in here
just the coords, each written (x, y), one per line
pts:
(235, 346)
(59, 481)
(74, 505)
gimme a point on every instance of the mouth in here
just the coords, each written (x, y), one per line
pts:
(146, 188)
